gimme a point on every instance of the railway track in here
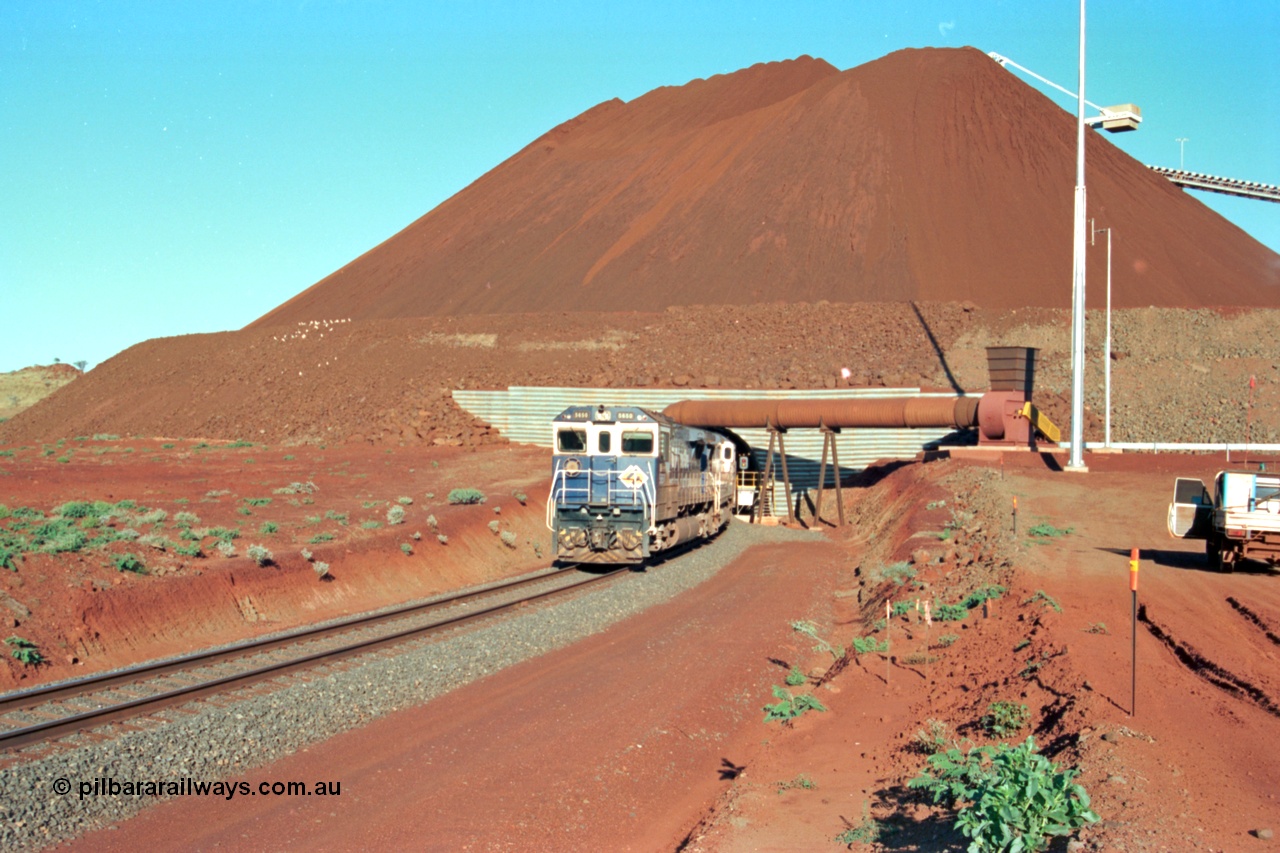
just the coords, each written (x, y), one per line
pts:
(50, 712)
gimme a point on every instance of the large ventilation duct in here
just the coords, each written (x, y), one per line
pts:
(890, 412)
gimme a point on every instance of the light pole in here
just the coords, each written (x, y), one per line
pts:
(1076, 460)
(1106, 364)
(1182, 141)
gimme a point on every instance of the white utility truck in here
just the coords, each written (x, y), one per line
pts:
(1239, 520)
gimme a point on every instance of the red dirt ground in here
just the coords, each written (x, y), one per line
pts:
(651, 731)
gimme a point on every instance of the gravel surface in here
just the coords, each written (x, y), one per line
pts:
(207, 742)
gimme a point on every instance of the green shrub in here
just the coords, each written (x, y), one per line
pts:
(404, 501)
(77, 509)
(129, 563)
(466, 496)
(947, 639)
(166, 446)
(257, 501)
(1005, 718)
(244, 510)
(795, 677)
(24, 651)
(6, 558)
(268, 527)
(788, 707)
(371, 525)
(869, 644)
(1045, 530)
(192, 550)
(105, 436)
(406, 548)
(334, 515)
(223, 533)
(321, 537)
(1013, 797)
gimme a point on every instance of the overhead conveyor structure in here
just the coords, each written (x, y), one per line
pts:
(1003, 416)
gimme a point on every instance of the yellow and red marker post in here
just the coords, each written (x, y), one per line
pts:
(1133, 652)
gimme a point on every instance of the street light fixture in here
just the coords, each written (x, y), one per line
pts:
(1115, 119)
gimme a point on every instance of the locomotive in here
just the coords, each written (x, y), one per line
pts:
(627, 483)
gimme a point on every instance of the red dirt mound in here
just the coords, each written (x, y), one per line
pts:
(928, 174)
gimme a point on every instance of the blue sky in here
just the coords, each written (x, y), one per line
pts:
(170, 168)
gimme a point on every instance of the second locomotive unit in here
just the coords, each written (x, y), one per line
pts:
(627, 483)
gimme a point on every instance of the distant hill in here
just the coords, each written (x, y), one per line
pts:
(929, 174)
(22, 389)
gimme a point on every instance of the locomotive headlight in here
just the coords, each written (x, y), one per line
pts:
(572, 466)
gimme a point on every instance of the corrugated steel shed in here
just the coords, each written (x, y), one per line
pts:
(524, 414)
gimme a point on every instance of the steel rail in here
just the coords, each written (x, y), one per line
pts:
(15, 738)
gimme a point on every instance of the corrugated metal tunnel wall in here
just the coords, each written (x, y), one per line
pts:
(524, 414)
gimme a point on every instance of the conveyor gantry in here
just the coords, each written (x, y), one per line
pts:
(1217, 184)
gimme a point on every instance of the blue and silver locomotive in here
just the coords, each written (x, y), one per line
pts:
(628, 483)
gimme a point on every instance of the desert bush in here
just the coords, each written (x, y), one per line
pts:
(129, 563)
(1007, 797)
(899, 573)
(1005, 718)
(494, 526)
(866, 645)
(811, 630)
(321, 569)
(307, 555)
(508, 538)
(406, 548)
(260, 555)
(24, 651)
(466, 496)
(371, 525)
(186, 519)
(789, 706)
(76, 509)
(442, 539)
(404, 501)
(225, 548)
(395, 515)
(432, 523)
(934, 737)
